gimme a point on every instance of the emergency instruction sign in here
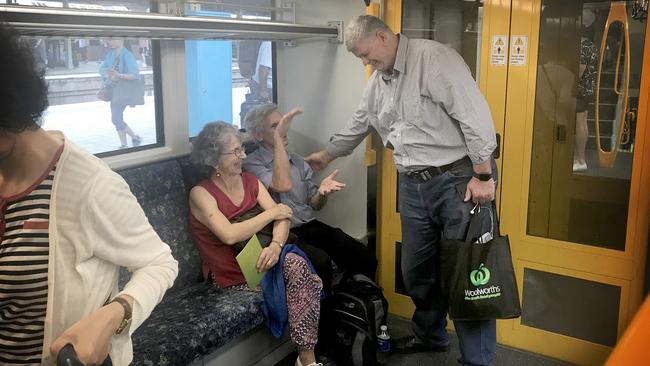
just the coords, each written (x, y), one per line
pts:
(518, 49)
(498, 50)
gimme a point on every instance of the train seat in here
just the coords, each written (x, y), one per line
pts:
(195, 323)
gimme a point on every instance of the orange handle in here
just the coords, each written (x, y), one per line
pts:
(617, 13)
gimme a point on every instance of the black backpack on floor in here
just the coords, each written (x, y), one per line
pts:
(359, 308)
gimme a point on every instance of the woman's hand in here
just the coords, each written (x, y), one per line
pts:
(112, 74)
(281, 212)
(268, 258)
(91, 336)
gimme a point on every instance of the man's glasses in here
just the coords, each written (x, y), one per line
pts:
(237, 152)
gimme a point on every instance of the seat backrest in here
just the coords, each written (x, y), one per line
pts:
(160, 190)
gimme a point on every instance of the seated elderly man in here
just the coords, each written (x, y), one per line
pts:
(290, 181)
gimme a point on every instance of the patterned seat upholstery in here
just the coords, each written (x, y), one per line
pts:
(194, 318)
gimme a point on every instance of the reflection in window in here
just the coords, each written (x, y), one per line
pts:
(77, 69)
(585, 110)
(455, 23)
(225, 79)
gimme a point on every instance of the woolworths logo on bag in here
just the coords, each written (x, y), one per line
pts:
(480, 277)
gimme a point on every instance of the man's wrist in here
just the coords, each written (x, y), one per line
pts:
(482, 176)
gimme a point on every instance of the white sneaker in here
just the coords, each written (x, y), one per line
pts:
(579, 167)
(298, 363)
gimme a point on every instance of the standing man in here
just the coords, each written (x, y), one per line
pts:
(289, 179)
(426, 107)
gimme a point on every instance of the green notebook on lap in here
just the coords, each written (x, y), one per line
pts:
(247, 260)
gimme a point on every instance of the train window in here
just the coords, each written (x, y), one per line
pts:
(225, 79)
(457, 24)
(78, 69)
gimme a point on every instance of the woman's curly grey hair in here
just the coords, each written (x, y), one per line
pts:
(208, 146)
(256, 116)
(362, 27)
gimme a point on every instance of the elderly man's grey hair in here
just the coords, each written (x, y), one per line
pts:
(209, 145)
(361, 28)
(256, 116)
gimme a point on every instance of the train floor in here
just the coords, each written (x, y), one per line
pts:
(400, 327)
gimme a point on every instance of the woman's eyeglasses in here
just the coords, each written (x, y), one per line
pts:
(237, 152)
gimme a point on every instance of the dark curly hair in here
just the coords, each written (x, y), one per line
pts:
(23, 90)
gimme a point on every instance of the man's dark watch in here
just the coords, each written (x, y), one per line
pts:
(483, 177)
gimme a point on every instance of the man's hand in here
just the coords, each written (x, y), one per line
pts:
(480, 191)
(91, 336)
(319, 160)
(285, 123)
(329, 185)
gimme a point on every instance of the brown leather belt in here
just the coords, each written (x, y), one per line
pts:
(424, 175)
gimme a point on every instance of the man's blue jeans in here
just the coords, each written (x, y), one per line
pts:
(428, 211)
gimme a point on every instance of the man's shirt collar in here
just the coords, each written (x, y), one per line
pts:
(267, 155)
(400, 59)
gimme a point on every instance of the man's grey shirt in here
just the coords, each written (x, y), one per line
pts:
(430, 110)
(260, 163)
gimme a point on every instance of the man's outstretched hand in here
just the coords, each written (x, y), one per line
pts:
(329, 185)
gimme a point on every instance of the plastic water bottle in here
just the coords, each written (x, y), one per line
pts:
(383, 345)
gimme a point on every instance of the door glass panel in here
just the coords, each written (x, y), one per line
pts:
(588, 76)
(455, 23)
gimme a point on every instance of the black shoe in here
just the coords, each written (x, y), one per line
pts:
(326, 361)
(410, 345)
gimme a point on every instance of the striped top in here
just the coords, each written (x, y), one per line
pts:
(24, 252)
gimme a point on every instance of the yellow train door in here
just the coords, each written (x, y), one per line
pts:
(578, 234)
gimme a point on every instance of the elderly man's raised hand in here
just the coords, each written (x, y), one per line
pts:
(285, 123)
(329, 185)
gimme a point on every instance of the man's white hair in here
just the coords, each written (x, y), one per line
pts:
(361, 28)
(257, 115)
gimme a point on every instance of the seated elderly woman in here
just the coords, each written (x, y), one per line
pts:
(227, 194)
(67, 224)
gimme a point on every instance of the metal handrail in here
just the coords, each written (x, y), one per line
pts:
(54, 22)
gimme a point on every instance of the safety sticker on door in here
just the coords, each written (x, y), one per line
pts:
(498, 50)
(518, 49)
